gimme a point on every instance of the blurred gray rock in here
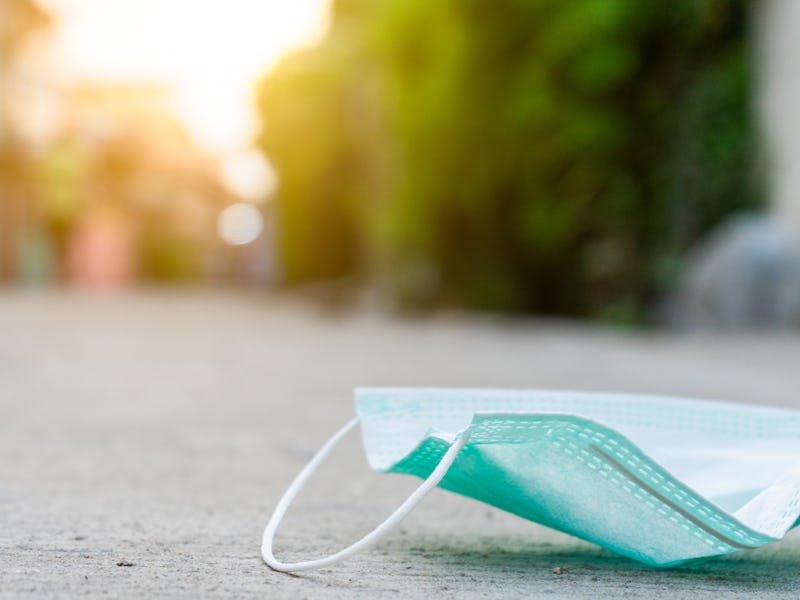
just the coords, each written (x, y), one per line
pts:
(746, 275)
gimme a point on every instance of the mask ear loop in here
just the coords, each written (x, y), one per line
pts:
(391, 521)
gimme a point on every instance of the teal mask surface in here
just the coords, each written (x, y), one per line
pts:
(657, 479)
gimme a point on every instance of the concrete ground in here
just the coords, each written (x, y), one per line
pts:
(144, 441)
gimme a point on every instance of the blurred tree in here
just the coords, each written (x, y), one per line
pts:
(122, 193)
(526, 154)
(19, 21)
(311, 133)
(127, 164)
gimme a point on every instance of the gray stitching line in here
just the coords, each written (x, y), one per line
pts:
(685, 514)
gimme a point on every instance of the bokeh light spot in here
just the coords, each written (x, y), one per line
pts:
(240, 224)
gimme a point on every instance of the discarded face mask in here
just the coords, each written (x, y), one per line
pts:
(660, 480)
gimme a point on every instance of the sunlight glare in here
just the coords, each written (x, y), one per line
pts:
(250, 175)
(207, 53)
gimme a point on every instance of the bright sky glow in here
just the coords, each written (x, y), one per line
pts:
(207, 52)
(250, 175)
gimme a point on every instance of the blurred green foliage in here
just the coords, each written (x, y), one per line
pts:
(534, 155)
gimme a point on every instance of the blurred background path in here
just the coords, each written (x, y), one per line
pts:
(157, 430)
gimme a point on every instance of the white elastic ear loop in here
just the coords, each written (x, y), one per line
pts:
(415, 498)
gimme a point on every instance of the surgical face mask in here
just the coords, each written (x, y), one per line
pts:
(660, 480)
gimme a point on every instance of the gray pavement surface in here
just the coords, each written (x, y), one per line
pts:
(145, 439)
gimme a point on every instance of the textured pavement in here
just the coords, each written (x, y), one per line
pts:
(145, 439)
